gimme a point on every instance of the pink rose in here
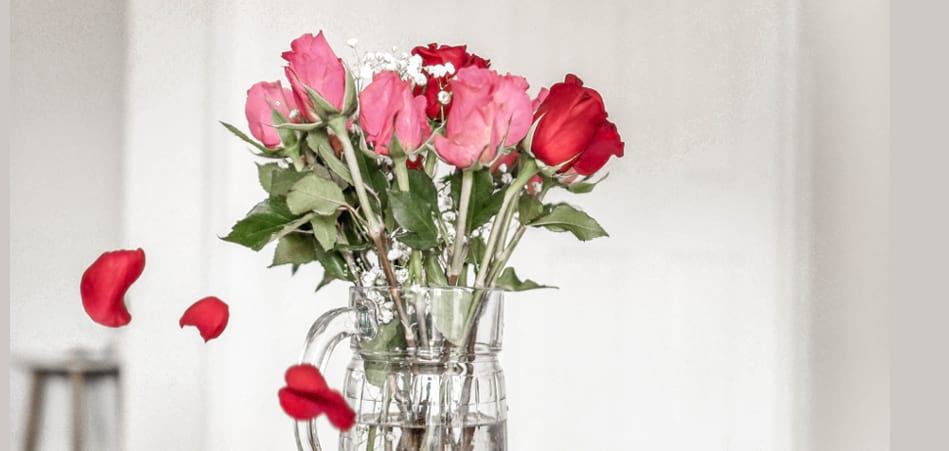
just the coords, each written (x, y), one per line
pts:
(388, 107)
(262, 99)
(486, 109)
(312, 64)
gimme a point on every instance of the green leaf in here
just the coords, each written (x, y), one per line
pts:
(319, 142)
(414, 215)
(295, 249)
(322, 107)
(484, 202)
(449, 313)
(388, 338)
(324, 228)
(480, 214)
(423, 188)
(434, 272)
(332, 262)
(282, 179)
(510, 282)
(246, 138)
(265, 175)
(475, 250)
(584, 187)
(529, 209)
(287, 137)
(267, 221)
(564, 217)
(313, 193)
(418, 241)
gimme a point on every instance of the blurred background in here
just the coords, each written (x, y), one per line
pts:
(739, 303)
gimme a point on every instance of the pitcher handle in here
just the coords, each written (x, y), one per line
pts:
(327, 331)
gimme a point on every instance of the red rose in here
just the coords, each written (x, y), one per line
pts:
(439, 55)
(572, 129)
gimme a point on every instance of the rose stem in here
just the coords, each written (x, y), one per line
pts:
(402, 180)
(458, 251)
(527, 171)
(338, 125)
(506, 255)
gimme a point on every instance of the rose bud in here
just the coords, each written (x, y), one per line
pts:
(263, 99)
(209, 315)
(312, 66)
(105, 282)
(387, 108)
(442, 55)
(572, 130)
(488, 108)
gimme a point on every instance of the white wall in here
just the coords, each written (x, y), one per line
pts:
(67, 72)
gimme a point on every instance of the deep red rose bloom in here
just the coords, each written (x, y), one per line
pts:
(209, 315)
(435, 55)
(306, 396)
(572, 129)
(104, 285)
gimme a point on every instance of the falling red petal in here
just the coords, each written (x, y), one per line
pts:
(209, 315)
(105, 283)
(306, 396)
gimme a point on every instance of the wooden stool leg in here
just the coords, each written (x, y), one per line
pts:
(35, 412)
(77, 382)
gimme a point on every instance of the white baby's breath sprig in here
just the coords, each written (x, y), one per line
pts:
(409, 67)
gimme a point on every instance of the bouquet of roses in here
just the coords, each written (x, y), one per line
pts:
(422, 169)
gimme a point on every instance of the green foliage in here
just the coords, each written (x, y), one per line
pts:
(509, 281)
(246, 138)
(295, 249)
(267, 221)
(414, 215)
(450, 313)
(565, 218)
(314, 193)
(529, 209)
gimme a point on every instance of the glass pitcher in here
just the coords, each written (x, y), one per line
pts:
(424, 374)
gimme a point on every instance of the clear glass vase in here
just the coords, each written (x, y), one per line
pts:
(424, 373)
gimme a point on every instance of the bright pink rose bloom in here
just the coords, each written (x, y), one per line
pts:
(439, 55)
(487, 108)
(209, 315)
(572, 129)
(262, 99)
(312, 63)
(388, 107)
(105, 282)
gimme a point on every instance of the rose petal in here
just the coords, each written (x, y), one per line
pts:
(104, 285)
(298, 405)
(209, 315)
(306, 379)
(307, 396)
(338, 412)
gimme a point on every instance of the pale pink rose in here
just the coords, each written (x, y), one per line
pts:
(312, 63)
(387, 107)
(486, 109)
(262, 98)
